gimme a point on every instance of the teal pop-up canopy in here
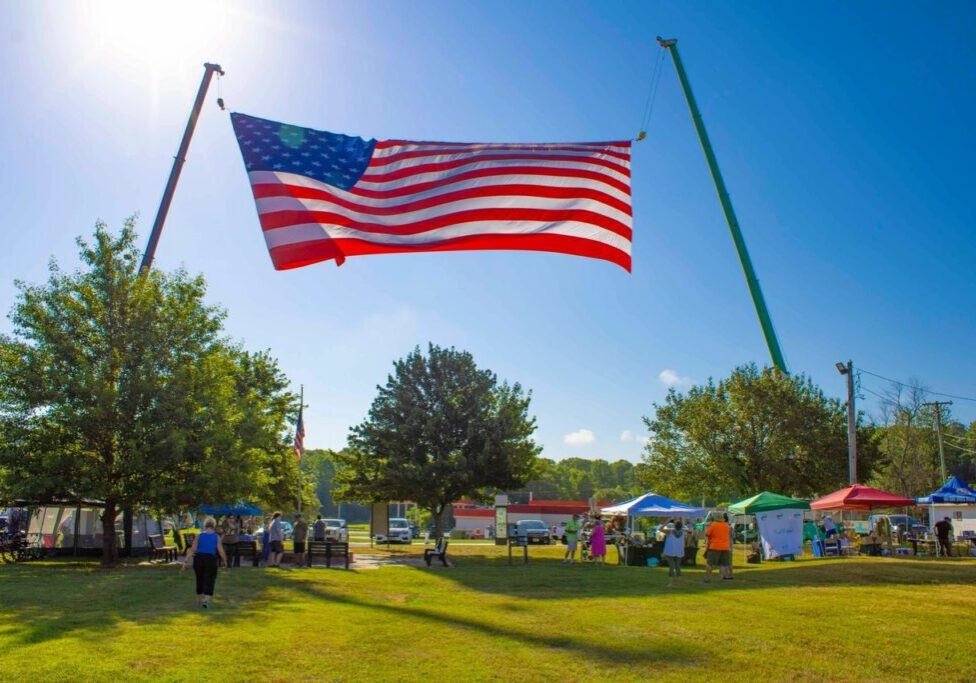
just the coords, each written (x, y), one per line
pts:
(766, 501)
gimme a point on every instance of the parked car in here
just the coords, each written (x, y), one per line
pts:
(286, 528)
(336, 530)
(399, 532)
(534, 531)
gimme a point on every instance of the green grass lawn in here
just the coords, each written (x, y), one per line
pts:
(842, 619)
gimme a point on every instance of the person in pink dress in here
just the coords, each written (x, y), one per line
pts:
(598, 542)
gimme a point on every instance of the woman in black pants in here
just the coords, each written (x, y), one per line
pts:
(206, 548)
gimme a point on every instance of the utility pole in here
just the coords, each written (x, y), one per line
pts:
(851, 427)
(178, 161)
(938, 428)
(671, 45)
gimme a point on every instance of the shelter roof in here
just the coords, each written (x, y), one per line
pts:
(766, 501)
(858, 497)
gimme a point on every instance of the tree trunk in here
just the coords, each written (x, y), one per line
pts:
(127, 517)
(110, 546)
(437, 517)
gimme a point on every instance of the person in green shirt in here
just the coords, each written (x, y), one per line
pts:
(572, 531)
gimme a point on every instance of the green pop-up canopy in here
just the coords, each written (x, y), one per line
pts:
(765, 501)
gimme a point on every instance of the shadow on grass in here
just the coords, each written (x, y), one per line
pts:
(675, 653)
(50, 601)
(548, 578)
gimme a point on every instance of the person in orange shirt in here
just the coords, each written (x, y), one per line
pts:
(718, 548)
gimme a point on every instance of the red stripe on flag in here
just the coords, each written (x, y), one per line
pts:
(484, 158)
(546, 191)
(420, 153)
(304, 253)
(282, 219)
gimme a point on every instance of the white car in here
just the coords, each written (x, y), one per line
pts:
(336, 530)
(399, 532)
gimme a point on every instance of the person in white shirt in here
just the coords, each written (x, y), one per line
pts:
(674, 549)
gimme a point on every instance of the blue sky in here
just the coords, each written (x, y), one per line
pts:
(844, 131)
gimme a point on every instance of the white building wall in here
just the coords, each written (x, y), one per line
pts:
(963, 517)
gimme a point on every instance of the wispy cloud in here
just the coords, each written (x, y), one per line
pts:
(671, 378)
(581, 437)
(626, 436)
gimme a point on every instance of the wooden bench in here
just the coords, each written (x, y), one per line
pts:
(439, 551)
(159, 550)
(329, 551)
(246, 549)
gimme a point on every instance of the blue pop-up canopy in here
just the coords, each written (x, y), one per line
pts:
(654, 505)
(955, 490)
(241, 508)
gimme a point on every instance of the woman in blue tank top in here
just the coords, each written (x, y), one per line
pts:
(206, 548)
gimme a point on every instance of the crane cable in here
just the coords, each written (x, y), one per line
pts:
(651, 96)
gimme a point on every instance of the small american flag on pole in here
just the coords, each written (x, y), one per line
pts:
(323, 196)
(299, 435)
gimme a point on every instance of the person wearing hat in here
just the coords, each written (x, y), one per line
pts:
(943, 531)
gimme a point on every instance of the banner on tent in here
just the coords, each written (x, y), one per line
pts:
(781, 532)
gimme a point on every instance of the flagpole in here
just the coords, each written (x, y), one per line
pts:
(300, 425)
(174, 174)
(752, 281)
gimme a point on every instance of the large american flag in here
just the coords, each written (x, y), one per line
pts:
(324, 195)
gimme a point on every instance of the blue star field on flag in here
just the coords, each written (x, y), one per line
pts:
(332, 158)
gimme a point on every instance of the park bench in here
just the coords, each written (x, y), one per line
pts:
(329, 551)
(438, 551)
(159, 550)
(246, 549)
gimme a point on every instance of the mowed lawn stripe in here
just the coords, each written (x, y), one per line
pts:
(482, 619)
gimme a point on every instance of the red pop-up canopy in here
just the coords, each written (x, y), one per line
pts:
(858, 497)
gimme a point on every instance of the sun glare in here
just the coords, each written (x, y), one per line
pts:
(156, 33)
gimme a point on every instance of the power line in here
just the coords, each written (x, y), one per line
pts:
(927, 391)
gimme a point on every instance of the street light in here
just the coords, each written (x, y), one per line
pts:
(848, 370)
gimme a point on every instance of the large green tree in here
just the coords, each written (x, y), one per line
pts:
(756, 430)
(440, 429)
(122, 388)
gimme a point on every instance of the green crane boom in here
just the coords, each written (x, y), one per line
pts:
(671, 46)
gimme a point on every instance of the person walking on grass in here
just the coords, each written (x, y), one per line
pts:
(598, 543)
(276, 537)
(674, 549)
(203, 556)
(718, 549)
(299, 534)
(570, 531)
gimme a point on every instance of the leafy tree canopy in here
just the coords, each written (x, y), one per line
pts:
(123, 389)
(440, 429)
(756, 430)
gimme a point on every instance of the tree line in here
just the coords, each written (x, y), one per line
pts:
(122, 387)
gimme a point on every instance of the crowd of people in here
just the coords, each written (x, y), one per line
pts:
(676, 537)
